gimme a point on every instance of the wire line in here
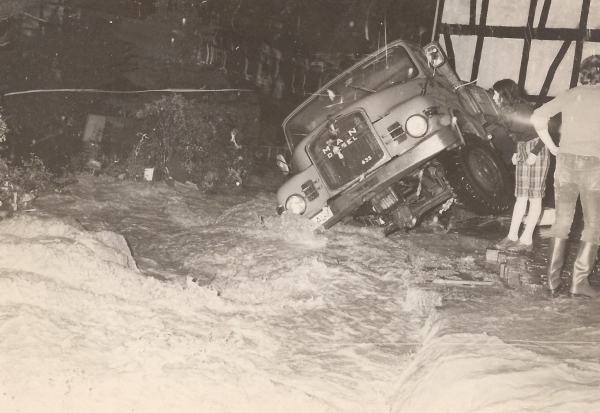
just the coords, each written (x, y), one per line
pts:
(126, 91)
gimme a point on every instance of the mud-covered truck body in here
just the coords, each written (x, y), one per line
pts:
(393, 137)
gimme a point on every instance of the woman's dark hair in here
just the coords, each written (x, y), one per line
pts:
(589, 74)
(510, 95)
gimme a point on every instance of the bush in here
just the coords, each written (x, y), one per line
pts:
(209, 138)
(21, 184)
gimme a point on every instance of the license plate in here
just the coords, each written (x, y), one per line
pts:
(322, 216)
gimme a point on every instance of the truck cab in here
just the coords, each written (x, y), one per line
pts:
(367, 142)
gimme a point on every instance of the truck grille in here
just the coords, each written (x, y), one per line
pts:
(344, 150)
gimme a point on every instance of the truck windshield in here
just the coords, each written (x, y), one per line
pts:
(386, 68)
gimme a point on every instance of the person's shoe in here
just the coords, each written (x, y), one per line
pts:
(518, 246)
(582, 268)
(555, 292)
(504, 244)
(556, 259)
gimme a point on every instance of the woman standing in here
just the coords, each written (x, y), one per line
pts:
(532, 162)
(577, 175)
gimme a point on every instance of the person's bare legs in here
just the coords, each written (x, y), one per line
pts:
(533, 216)
(517, 218)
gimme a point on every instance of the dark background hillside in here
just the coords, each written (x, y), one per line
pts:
(127, 45)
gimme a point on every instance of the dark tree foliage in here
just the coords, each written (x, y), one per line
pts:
(357, 26)
(76, 55)
(85, 53)
(121, 8)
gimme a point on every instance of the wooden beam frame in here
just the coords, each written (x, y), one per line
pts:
(528, 33)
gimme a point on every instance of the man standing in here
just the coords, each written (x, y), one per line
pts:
(577, 174)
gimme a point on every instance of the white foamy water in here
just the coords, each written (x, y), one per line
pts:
(137, 297)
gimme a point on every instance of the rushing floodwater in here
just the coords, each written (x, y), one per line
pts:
(121, 296)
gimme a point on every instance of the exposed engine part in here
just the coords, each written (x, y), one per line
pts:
(407, 216)
(386, 200)
(402, 205)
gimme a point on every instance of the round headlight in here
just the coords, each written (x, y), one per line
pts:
(296, 204)
(416, 126)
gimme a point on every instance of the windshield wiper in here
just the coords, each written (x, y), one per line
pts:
(362, 88)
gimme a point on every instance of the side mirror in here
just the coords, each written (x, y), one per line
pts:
(435, 55)
(282, 164)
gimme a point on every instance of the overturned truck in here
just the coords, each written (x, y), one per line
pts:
(393, 137)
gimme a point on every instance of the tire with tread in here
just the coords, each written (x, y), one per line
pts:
(479, 178)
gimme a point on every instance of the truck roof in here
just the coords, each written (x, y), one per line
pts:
(389, 65)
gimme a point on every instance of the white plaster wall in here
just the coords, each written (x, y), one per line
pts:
(464, 50)
(594, 16)
(501, 58)
(563, 13)
(589, 49)
(456, 11)
(541, 56)
(507, 13)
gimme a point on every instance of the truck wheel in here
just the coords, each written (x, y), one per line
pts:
(479, 178)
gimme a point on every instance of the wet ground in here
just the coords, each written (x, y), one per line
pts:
(465, 235)
(478, 235)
